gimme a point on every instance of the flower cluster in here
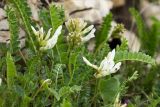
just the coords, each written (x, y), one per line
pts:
(107, 66)
(47, 41)
(77, 30)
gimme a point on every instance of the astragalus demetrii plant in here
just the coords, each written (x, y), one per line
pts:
(59, 76)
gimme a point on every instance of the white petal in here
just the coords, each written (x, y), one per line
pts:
(106, 65)
(34, 31)
(104, 73)
(48, 34)
(116, 67)
(53, 40)
(88, 29)
(111, 55)
(89, 36)
(89, 64)
(58, 31)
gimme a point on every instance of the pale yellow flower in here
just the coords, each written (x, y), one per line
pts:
(78, 33)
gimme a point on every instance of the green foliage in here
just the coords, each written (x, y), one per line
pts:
(45, 18)
(102, 36)
(3, 48)
(14, 30)
(150, 79)
(140, 24)
(57, 16)
(65, 91)
(124, 55)
(109, 89)
(25, 14)
(66, 104)
(11, 70)
(26, 78)
(123, 46)
(155, 102)
(32, 65)
(154, 33)
(148, 37)
(57, 19)
(124, 87)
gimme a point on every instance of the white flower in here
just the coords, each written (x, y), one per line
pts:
(48, 41)
(107, 66)
(77, 31)
(0, 81)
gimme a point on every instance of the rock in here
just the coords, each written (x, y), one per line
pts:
(4, 30)
(4, 36)
(133, 41)
(149, 10)
(90, 10)
(2, 14)
(118, 3)
(33, 4)
(4, 25)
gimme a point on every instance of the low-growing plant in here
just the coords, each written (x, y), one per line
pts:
(57, 70)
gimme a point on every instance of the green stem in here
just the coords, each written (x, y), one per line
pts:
(56, 81)
(25, 21)
(36, 93)
(52, 54)
(33, 45)
(72, 72)
(59, 54)
(22, 56)
(95, 93)
(69, 64)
